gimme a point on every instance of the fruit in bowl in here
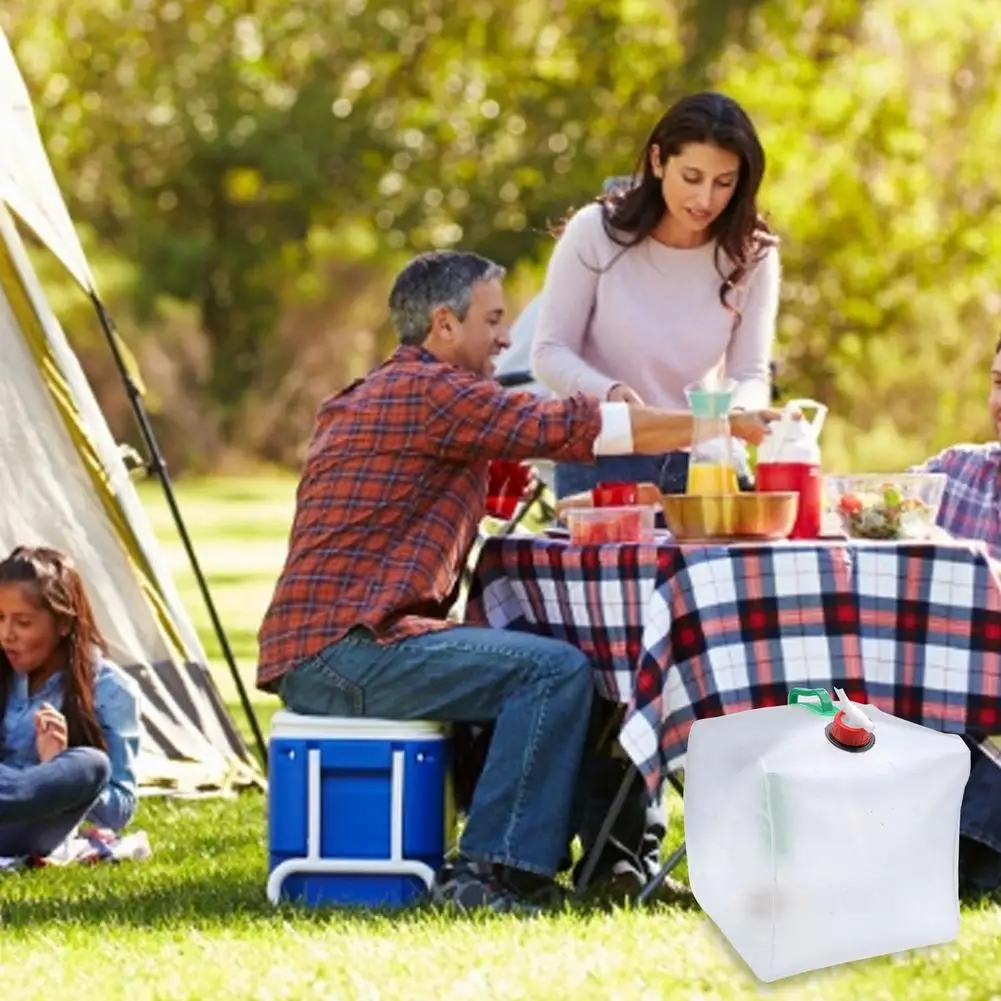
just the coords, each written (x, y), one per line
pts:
(893, 506)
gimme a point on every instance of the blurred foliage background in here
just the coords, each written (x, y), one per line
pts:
(247, 174)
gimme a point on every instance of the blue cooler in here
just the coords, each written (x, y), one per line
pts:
(360, 811)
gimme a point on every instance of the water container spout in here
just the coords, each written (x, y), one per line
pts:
(854, 716)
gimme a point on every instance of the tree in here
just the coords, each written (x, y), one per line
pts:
(214, 142)
(231, 151)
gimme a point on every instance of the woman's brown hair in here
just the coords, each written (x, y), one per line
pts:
(57, 587)
(632, 213)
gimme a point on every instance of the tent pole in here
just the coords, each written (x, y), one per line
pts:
(159, 466)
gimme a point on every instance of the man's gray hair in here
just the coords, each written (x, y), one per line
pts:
(440, 278)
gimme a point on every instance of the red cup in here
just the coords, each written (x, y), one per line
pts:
(615, 494)
(502, 507)
(507, 478)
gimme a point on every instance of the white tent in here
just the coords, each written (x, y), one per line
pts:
(63, 481)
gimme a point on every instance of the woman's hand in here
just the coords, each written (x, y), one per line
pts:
(621, 393)
(51, 734)
(752, 425)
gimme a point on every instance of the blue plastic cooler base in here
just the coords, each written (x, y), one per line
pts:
(353, 891)
(357, 810)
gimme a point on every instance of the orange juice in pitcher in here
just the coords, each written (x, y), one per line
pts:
(712, 469)
(710, 478)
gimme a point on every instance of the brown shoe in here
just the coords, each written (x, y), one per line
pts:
(673, 891)
(617, 885)
(624, 884)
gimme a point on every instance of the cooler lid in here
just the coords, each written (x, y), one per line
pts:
(289, 724)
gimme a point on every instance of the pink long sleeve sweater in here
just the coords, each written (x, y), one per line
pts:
(652, 320)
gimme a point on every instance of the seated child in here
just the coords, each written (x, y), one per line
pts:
(69, 718)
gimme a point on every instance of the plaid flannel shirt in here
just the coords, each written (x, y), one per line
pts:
(391, 496)
(970, 506)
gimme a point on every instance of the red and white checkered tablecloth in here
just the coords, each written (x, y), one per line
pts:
(681, 632)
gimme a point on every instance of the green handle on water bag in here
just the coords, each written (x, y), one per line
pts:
(826, 707)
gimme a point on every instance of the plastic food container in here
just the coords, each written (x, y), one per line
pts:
(600, 525)
(886, 506)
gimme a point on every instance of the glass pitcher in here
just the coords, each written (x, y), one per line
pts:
(712, 464)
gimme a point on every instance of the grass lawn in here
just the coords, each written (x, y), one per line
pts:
(193, 921)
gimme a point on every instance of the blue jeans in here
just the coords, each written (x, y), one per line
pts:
(980, 825)
(537, 692)
(669, 471)
(40, 805)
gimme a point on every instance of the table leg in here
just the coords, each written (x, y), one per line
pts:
(605, 832)
(673, 859)
(651, 888)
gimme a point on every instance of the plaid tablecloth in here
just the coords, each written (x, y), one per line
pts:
(681, 632)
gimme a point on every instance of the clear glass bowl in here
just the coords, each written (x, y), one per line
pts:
(885, 505)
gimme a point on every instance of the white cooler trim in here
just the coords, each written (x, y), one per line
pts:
(289, 724)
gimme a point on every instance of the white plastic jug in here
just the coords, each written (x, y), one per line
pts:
(819, 835)
(794, 437)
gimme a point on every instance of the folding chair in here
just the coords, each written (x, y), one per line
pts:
(604, 833)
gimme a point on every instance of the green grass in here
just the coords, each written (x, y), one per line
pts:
(193, 922)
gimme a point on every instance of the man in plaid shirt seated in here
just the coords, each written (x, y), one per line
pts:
(971, 509)
(391, 496)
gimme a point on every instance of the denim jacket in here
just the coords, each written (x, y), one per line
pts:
(116, 704)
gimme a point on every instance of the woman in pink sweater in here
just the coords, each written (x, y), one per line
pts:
(665, 282)
(656, 285)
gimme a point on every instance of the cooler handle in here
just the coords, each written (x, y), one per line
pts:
(826, 707)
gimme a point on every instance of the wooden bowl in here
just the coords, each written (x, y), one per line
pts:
(717, 517)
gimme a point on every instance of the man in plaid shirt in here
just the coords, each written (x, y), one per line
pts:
(971, 509)
(389, 504)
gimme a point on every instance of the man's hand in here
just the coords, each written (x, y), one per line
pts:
(621, 393)
(752, 425)
(51, 734)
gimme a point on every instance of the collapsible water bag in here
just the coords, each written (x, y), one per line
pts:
(818, 834)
